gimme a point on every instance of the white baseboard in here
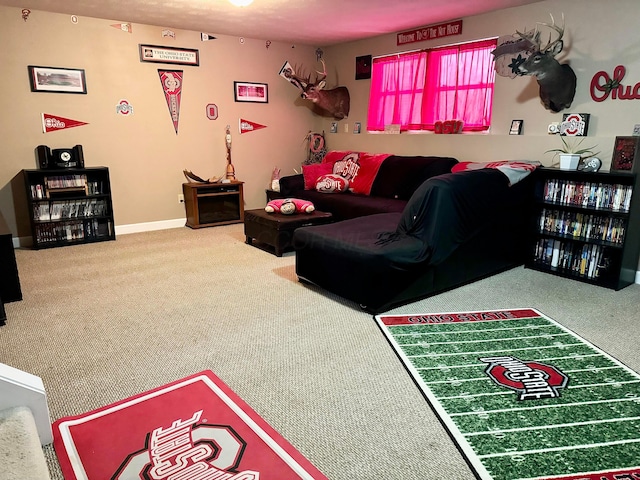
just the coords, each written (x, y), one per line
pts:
(149, 226)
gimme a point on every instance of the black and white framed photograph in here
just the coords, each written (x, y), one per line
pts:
(57, 80)
(251, 92)
(516, 127)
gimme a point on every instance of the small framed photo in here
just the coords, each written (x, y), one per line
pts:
(57, 80)
(174, 55)
(363, 67)
(251, 92)
(625, 155)
(334, 127)
(516, 127)
(357, 127)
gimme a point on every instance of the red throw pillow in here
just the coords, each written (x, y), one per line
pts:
(332, 184)
(314, 171)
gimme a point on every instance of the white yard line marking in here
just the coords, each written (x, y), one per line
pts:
(559, 449)
(549, 427)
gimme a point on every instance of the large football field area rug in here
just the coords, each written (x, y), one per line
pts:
(522, 396)
(196, 428)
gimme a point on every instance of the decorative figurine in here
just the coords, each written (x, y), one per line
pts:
(231, 172)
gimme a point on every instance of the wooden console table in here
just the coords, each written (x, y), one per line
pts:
(211, 204)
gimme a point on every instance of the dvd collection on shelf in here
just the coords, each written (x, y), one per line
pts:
(73, 230)
(582, 226)
(69, 207)
(586, 260)
(613, 197)
(63, 209)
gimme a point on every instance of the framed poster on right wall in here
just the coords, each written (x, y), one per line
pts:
(626, 155)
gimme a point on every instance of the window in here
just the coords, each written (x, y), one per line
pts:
(417, 89)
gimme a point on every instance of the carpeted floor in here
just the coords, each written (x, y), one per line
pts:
(105, 321)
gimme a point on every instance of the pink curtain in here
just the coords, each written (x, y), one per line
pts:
(418, 89)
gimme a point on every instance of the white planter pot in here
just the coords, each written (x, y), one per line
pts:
(569, 162)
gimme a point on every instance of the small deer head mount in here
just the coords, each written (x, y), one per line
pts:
(335, 102)
(557, 81)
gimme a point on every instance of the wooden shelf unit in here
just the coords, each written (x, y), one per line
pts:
(69, 206)
(212, 204)
(586, 226)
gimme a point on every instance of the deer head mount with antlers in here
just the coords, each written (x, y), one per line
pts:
(557, 81)
(335, 102)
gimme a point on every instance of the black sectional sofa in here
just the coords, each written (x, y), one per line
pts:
(395, 182)
(430, 232)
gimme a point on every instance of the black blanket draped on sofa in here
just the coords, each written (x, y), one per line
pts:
(456, 228)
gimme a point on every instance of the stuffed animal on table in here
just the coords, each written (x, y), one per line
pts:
(289, 206)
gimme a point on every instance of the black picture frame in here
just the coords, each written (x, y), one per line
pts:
(57, 80)
(516, 127)
(251, 92)
(171, 55)
(625, 154)
(363, 67)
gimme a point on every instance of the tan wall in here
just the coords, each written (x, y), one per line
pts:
(599, 36)
(143, 152)
(146, 157)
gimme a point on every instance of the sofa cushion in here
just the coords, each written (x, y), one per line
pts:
(399, 176)
(312, 172)
(350, 205)
(359, 168)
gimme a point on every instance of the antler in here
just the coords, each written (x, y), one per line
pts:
(553, 26)
(323, 73)
(534, 37)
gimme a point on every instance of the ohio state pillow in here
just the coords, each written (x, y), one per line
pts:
(332, 183)
(314, 171)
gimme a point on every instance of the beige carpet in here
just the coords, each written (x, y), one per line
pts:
(105, 321)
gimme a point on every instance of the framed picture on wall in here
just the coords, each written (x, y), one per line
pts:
(57, 80)
(363, 67)
(516, 127)
(251, 92)
(625, 155)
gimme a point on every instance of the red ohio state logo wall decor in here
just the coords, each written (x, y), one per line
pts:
(603, 86)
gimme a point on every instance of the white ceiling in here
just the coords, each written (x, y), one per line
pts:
(304, 22)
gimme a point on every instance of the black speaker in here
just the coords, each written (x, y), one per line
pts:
(43, 155)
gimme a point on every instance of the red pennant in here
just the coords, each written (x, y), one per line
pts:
(51, 123)
(171, 81)
(248, 126)
(125, 27)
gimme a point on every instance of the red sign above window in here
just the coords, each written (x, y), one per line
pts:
(430, 32)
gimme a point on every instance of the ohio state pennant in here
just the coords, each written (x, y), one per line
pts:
(51, 123)
(171, 81)
(249, 126)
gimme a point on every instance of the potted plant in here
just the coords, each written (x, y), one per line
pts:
(570, 154)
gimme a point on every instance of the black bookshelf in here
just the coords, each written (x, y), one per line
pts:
(586, 226)
(70, 206)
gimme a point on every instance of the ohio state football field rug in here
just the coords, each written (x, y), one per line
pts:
(196, 428)
(522, 396)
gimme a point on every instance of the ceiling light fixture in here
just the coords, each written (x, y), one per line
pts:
(241, 3)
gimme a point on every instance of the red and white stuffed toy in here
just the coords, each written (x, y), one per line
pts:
(289, 206)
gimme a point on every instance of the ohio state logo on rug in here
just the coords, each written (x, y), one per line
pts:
(532, 380)
(190, 450)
